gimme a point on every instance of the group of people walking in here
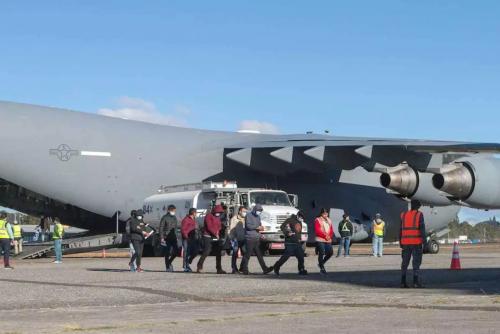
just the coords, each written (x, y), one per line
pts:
(242, 235)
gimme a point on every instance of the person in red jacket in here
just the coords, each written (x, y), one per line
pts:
(324, 235)
(190, 239)
(211, 235)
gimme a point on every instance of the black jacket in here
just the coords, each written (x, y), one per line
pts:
(346, 229)
(136, 229)
(169, 227)
(292, 229)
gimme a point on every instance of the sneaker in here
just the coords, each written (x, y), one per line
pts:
(277, 271)
(221, 272)
(235, 272)
(303, 272)
(188, 269)
(199, 271)
(57, 262)
(379, 255)
(268, 270)
(245, 272)
(322, 269)
(139, 270)
(8, 267)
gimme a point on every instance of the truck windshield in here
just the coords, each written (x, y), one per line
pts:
(269, 198)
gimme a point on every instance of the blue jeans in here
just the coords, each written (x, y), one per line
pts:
(345, 242)
(191, 248)
(58, 249)
(325, 252)
(133, 265)
(378, 245)
(236, 245)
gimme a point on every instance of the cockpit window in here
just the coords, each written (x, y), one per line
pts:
(269, 198)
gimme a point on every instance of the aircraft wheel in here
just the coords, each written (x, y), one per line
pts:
(433, 247)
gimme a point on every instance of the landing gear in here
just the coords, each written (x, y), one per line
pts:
(432, 247)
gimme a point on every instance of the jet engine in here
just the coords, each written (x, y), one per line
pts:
(474, 181)
(407, 182)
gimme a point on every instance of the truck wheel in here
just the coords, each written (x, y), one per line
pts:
(156, 245)
(433, 247)
(264, 248)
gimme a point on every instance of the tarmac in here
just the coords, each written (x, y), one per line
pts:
(360, 294)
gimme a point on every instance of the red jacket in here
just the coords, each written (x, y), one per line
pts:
(321, 234)
(213, 224)
(188, 225)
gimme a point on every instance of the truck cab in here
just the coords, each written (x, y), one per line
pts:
(204, 196)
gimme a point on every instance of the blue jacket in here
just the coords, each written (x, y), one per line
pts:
(252, 223)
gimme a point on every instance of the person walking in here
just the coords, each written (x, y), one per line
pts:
(137, 236)
(292, 229)
(345, 230)
(132, 265)
(412, 240)
(47, 222)
(18, 237)
(211, 235)
(57, 236)
(237, 236)
(169, 227)
(190, 239)
(253, 228)
(6, 239)
(323, 229)
(378, 232)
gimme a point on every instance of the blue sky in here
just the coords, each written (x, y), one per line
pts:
(426, 69)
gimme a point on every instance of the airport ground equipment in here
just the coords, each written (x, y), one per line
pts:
(72, 246)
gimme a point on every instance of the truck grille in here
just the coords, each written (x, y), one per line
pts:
(280, 219)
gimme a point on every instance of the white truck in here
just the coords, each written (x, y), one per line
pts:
(203, 196)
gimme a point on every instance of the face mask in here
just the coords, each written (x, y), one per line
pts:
(217, 215)
(139, 217)
(258, 213)
(244, 214)
(172, 213)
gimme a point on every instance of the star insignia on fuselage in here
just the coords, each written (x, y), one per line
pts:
(63, 152)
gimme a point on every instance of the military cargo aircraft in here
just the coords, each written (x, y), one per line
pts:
(92, 170)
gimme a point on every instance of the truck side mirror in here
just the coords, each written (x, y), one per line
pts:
(294, 199)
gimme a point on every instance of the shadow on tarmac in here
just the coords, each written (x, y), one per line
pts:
(473, 281)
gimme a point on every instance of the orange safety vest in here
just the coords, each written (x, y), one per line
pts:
(410, 228)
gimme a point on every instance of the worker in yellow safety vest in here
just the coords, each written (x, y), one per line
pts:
(57, 237)
(378, 232)
(6, 239)
(18, 237)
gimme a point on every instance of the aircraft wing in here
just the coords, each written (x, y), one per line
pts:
(312, 151)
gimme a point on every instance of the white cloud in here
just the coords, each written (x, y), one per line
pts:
(474, 216)
(262, 127)
(140, 110)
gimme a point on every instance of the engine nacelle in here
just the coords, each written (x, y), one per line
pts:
(410, 183)
(474, 181)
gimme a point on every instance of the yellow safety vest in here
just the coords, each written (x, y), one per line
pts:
(17, 231)
(4, 234)
(58, 231)
(378, 229)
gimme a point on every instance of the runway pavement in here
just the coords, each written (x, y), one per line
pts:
(359, 295)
